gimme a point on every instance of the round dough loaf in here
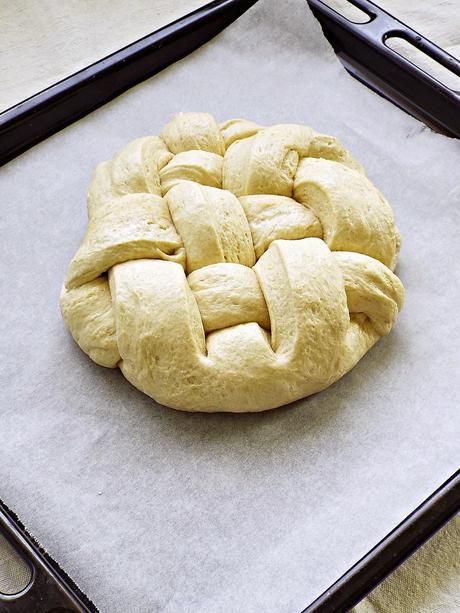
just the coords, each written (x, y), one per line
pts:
(232, 267)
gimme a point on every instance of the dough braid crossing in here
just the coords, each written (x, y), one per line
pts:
(232, 267)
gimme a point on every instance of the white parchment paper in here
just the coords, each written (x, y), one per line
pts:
(151, 510)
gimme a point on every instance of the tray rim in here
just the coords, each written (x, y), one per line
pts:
(46, 112)
(433, 513)
(362, 49)
(389, 553)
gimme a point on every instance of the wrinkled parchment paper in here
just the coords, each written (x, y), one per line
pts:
(149, 509)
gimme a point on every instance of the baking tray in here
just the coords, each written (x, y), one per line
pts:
(361, 48)
(49, 111)
(51, 590)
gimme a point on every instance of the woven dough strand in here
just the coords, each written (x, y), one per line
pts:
(232, 267)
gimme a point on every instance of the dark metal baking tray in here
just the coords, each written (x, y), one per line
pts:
(50, 589)
(52, 109)
(397, 546)
(361, 48)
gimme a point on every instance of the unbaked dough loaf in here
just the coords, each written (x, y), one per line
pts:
(232, 267)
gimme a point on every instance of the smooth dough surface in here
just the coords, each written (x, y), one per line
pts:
(233, 267)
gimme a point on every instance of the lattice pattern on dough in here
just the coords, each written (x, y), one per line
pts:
(232, 267)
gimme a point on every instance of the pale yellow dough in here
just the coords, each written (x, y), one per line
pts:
(233, 267)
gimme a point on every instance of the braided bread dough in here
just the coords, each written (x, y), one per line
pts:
(232, 267)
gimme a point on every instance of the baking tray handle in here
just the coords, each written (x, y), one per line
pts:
(49, 590)
(362, 49)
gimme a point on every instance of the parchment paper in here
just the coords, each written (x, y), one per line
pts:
(153, 510)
